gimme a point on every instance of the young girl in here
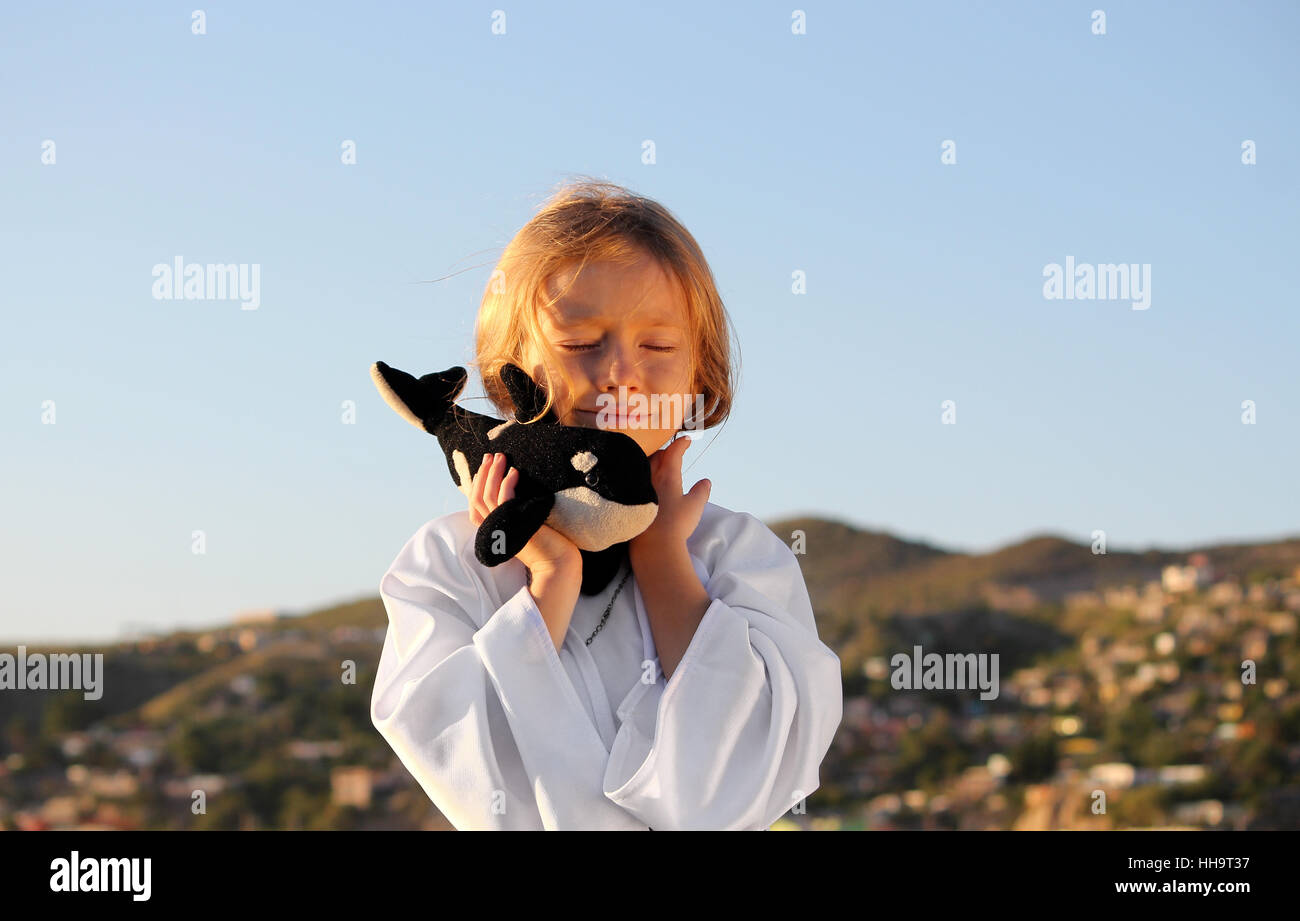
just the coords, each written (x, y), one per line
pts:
(693, 691)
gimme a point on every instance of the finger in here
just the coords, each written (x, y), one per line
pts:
(700, 492)
(673, 462)
(492, 486)
(660, 457)
(485, 489)
(473, 488)
(508, 486)
(476, 492)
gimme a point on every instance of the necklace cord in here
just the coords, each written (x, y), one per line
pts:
(609, 607)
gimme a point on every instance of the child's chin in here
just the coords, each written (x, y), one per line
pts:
(638, 433)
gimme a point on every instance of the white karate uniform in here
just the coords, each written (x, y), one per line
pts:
(504, 732)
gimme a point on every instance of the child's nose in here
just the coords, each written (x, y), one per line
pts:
(622, 370)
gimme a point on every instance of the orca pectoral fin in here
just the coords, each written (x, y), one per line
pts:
(509, 528)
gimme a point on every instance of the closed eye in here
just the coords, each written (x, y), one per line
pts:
(653, 348)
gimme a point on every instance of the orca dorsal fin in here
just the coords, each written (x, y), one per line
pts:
(526, 395)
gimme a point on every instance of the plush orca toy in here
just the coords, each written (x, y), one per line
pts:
(592, 485)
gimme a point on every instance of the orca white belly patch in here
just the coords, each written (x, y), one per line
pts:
(580, 510)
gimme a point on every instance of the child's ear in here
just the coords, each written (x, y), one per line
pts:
(526, 395)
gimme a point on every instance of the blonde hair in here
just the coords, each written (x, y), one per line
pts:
(590, 220)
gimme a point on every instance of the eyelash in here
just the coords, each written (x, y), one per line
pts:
(583, 348)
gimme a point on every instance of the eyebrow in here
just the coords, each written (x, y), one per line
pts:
(657, 320)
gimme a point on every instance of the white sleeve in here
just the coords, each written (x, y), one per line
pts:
(736, 737)
(474, 700)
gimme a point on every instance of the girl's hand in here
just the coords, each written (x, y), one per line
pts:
(548, 551)
(678, 515)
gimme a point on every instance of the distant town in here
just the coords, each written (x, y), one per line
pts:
(1149, 710)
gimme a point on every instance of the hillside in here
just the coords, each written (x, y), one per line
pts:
(264, 707)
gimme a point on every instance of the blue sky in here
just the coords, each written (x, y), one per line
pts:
(781, 152)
